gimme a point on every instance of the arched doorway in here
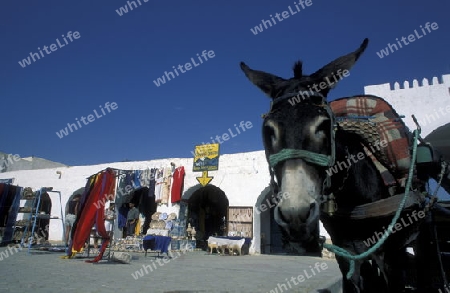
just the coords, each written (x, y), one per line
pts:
(79, 191)
(146, 205)
(207, 212)
(43, 224)
(270, 233)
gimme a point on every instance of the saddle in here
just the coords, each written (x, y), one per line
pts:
(385, 137)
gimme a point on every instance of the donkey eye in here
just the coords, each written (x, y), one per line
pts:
(322, 129)
(316, 100)
(271, 135)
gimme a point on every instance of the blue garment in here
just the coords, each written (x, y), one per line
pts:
(122, 218)
(128, 179)
(136, 179)
(161, 243)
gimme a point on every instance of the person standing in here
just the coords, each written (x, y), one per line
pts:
(122, 219)
(110, 215)
(132, 218)
(71, 216)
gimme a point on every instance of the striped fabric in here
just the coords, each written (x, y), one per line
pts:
(377, 123)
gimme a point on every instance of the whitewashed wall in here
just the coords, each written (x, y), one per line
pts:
(425, 100)
(243, 177)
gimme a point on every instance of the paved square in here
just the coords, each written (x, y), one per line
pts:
(185, 272)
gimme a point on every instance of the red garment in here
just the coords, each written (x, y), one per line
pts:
(177, 184)
(103, 186)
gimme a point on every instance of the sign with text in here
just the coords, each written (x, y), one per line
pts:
(206, 157)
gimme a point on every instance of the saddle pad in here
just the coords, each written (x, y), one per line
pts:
(377, 123)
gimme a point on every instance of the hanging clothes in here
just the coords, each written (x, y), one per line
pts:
(97, 189)
(129, 180)
(147, 207)
(145, 178)
(122, 189)
(167, 178)
(177, 184)
(145, 204)
(137, 229)
(158, 185)
(151, 186)
(122, 218)
(136, 175)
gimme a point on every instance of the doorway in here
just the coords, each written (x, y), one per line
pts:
(43, 224)
(270, 232)
(207, 212)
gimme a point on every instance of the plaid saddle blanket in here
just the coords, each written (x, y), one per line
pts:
(385, 137)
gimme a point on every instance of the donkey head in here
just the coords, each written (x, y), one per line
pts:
(298, 140)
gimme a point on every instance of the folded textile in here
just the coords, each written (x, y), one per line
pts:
(161, 243)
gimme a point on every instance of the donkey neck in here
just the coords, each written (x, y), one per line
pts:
(355, 178)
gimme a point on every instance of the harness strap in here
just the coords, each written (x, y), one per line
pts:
(351, 257)
(285, 154)
(380, 208)
(311, 157)
(303, 94)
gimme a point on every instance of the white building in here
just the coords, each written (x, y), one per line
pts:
(242, 179)
(429, 102)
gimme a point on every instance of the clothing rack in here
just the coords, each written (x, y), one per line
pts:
(123, 171)
(118, 172)
(107, 253)
(35, 216)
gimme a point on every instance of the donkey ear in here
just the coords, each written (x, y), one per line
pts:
(333, 71)
(270, 84)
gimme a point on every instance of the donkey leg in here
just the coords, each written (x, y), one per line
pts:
(372, 277)
(394, 266)
(369, 275)
(352, 285)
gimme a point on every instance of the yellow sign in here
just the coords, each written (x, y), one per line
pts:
(206, 158)
(204, 180)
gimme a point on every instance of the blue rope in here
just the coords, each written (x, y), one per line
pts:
(344, 253)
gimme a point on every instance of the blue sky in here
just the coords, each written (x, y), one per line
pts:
(116, 58)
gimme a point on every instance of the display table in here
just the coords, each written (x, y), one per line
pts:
(159, 244)
(129, 244)
(230, 243)
(248, 241)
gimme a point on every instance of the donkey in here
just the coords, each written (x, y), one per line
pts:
(301, 140)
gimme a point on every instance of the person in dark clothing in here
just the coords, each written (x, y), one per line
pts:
(71, 215)
(147, 207)
(122, 219)
(132, 218)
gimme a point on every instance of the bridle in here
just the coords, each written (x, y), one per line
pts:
(310, 157)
